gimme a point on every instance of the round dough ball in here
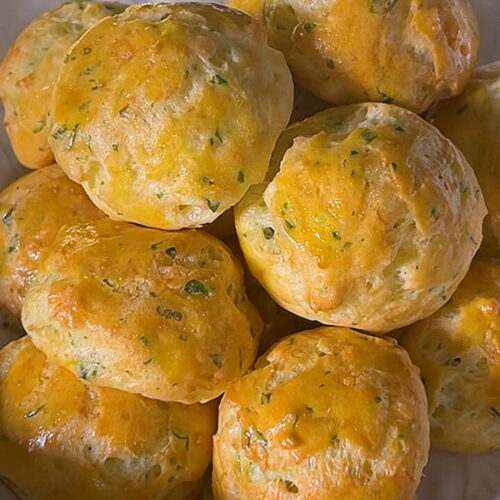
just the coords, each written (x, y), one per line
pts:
(409, 52)
(166, 114)
(458, 352)
(371, 221)
(64, 439)
(162, 314)
(328, 413)
(32, 210)
(29, 71)
(471, 121)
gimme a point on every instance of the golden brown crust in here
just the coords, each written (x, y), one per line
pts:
(370, 221)
(458, 352)
(162, 314)
(29, 71)
(61, 438)
(471, 121)
(409, 52)
(328, 413)
(178, 148)
(32, 210)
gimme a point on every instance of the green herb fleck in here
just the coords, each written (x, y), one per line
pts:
(495, 412)
(124, 112)
(84, 372)
(241, 177)
(218, 135)
(268, 232)
(115, 147)
(290, 486)
(144, 340)
(208, 180)
(183, 438)
(337, 235)
(8, 217)
(394, 165)
(196, 287)
(157, 245)
(382, 6)
(354, 152)
(165, 312)
(378, 399)
(399, 128)
(108, 282)
(213, 205)
(265, 397)
(368, 136)
(40, 126)
(171, 252)
(216, 359)
(147, 362)
(434, 213)
(72, 136)
(454, 361)
(87, 51)
(309, 26)
(261, 438)
(218, 80)
(289, 225)
(329, 63)
(160, 195)
(59, 132)
(34, 412)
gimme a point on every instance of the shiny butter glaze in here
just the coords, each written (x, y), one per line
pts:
(371, 219)
(159, 118)
(61, 438)
(161, 314)
(328, 413)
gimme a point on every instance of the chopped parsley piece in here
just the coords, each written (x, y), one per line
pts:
(72, 136)
(40, 126)
(108, 282)
(218, 80)
(241, 177)
(208, 180)
(399, 128)
(8, 217)
(216, 359)
(385, 97)
(195, 287)
(329, 63)
(218, 135)
(165, 312)
(160, 195)
(354, 152)
(336, 235)
(84, 372)
(171, 252)
(183, 438)
(124, 112)
(213, 205)
(394, 165)
(290, 486)
(289, 225)
(34, 412)
(382, 6)
(115, 147)
(144, 340)
(309, 26)
(265, 397)
(147, 362)
(157, 245)
(368, 136)
(495, 412)
(454, 361)
(268, 232)
(59, 132)
(434, 213)
(261, 438)
(86, 51)
(378, 399)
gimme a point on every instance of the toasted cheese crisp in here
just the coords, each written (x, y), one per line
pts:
(406, 52)
(29, 71)
(62, 438)
(471, 121)
(162, 314)
(370, 221)
(327, 414)
(32, 210)
(458, 352)
(167, 113)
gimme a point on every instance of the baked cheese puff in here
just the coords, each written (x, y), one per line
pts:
(471, 122)
(458, 352)
(29, 71)
(408, 52)
(327, 413)
(167, 113)
(32, 210)
(162, 314)
(370, 222)
(65, 439)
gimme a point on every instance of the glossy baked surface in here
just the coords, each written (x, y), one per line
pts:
(371, 220)
(458, 352)
(182, 145)
(32, 210)
(29, 71)
(328, 413)
(162, 314)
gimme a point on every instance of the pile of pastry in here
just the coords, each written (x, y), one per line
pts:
(194, 205)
